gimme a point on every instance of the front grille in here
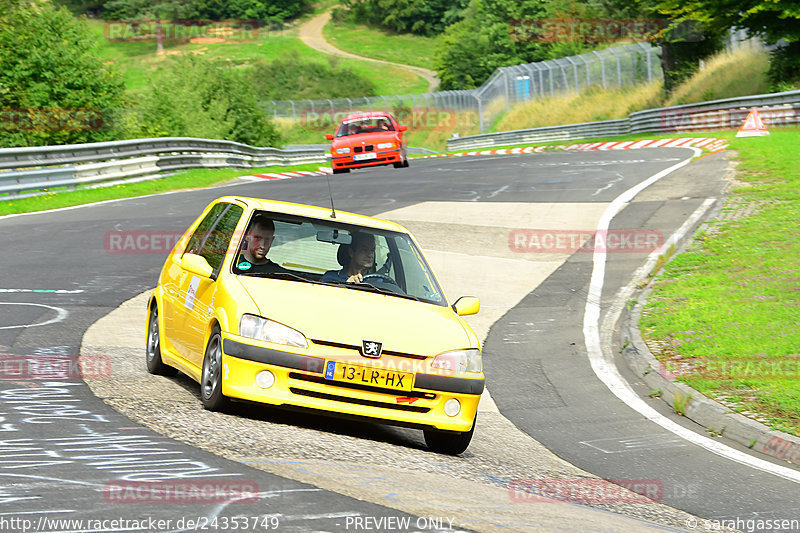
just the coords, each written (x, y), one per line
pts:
(358, 149)
(358, 401)
(358, 349)
(358, 386)
(368, 148)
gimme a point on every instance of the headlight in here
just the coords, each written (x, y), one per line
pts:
(343, 150)
(383, 146)
(262, 329)
(459, 360)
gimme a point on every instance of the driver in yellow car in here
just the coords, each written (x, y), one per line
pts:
(357, 258)
(256, 245)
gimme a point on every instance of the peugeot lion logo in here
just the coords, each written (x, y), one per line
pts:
(371, 349)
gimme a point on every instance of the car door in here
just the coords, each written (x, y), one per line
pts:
(196, 293)
(174, 276)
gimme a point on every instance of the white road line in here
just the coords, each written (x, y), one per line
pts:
(603, 364)
(61, 314)
(44, 291)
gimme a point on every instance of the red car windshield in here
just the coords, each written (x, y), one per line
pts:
(364, 125)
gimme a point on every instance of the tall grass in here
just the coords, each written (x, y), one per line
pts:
(726, 75)
(588, 105)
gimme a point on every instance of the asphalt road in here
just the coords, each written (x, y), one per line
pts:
(63, 447)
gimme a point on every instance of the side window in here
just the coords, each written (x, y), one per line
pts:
(216, 245)
(201, 233)
(212, 240)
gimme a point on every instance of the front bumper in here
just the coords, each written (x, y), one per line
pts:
(300, 382)
(383, 157)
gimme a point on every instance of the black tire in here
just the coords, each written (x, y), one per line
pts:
(153, 347)
(341, 170)
(399, 164)
(211, 377)
(449, 442)
(405, 163)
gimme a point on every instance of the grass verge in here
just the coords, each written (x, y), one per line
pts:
(364, 41)
(189, 179)
(724, 316)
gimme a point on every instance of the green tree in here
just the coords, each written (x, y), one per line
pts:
(421, 17)
(193, 96)
(54, 88)
(684, 42)
(771, 20)
(157, 10)
(494, 34)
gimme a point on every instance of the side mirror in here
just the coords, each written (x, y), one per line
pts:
(329, 136)
(403, 128)
(467, 305)
(196, 264)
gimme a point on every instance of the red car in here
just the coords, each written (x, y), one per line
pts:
(366, 140)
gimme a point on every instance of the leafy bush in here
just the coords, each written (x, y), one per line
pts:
(54, 88)
(292, 78)
(197, 97)
(784, 67)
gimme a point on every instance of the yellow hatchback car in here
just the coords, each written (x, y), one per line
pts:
(303, 307)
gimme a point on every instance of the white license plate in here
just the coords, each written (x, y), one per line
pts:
(362, 157)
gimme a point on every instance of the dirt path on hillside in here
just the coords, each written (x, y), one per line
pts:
(311, 35)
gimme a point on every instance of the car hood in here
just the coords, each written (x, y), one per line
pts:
(348, 316)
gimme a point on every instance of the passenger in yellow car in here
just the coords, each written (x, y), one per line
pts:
(357, 258)
(255, 246)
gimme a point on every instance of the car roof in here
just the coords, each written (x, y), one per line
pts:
(311, 211)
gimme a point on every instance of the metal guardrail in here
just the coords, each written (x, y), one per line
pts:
(778, 109)
(24, 170)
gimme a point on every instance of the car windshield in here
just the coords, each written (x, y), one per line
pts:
(319, 251)
(364, 125)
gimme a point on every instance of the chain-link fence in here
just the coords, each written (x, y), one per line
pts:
(609, 68)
